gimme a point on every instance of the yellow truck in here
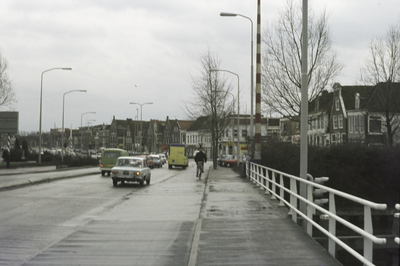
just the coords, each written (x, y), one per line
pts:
(177, 156)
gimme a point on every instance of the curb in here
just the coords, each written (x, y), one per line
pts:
(34, 181)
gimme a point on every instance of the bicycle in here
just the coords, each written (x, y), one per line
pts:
(199, 169)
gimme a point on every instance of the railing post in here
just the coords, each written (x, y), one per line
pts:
(368, 246)
(267, 183)
(273, 185)
(310, 209)
(396, 224)
(262, 184)
(332, 225)
(293, 199)
(259, 175)
(281, 191)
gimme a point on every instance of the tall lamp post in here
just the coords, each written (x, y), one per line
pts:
(238, 147)
(40, 119)
(141, 120)
(81, 124)
(225, 14)
(62, 131)
(233, 104)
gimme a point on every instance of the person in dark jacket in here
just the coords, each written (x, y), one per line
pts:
(201, 157)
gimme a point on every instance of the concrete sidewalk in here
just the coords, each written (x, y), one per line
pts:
(25, 170)
(239, 226)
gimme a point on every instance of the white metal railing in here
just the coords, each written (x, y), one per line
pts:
(271, 180)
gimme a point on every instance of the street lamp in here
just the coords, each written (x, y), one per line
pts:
(238, 147)
(233, 104)
(141, 121)
(225, 14)
(62, 131)
(81, 125)
(40, 119)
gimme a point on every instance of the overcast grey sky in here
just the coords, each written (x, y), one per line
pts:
(124, 51)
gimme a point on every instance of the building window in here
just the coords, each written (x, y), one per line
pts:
(340, 118)
(337, 104)
(244, 133)
(356, 124)
(375, 124)
(235, 133)
(335, 122)
(351, 125)
(362, 126)
(284, 127)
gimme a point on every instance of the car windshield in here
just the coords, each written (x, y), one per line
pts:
(130, 163)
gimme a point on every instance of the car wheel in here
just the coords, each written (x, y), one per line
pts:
(148, 181)
(103, 173)
(115, 183)
(141, 183)
(228, 165)
(169, 166)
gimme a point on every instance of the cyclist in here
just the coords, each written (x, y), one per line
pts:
(200, 157)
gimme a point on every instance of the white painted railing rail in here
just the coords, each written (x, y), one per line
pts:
(272, 180)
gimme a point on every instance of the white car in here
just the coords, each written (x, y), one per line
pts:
(131, 169)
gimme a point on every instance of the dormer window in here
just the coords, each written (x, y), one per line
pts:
(337, 104)
(357, 104)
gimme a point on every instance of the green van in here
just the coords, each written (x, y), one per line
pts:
(109, 158)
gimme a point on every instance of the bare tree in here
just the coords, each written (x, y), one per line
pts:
(382, 69)
(281, 72)
(7, 95)
(210, 100)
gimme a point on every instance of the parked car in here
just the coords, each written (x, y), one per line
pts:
(230, 162)
(223, 158)
(131, 169)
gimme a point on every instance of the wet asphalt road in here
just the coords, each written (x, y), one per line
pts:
(176, 220)
(87, 221)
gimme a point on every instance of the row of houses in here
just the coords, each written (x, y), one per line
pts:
(346, 114)
(365, 114)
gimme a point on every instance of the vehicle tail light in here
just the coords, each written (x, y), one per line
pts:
(115, 172)
(136, 173)
(101, 165)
